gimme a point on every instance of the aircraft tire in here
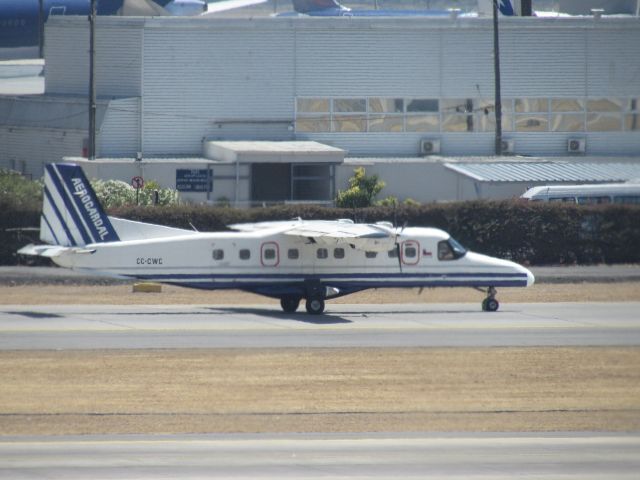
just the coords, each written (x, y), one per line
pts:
(315, 306)
(289, 304)
(492, 305)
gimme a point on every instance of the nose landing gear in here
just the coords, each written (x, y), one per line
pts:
(490, 304)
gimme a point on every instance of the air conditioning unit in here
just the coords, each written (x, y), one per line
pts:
(508, 146)
(576, 145)
(429, 146)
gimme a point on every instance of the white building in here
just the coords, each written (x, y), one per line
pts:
(373, 87)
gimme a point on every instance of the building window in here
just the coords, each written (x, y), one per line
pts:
(423, 123)
(604, 105)
(386, 105)
(218, 254)
(457, 115)
(293, 254)
(604, 122)
(428, 115)
(386, 123)
(349, 105)
(313, 115)
(423, 105)
(244, 254)
(322, 253)
(567, 105)
(567, 122)
(531, 105)
(312, 105)
(313, 125)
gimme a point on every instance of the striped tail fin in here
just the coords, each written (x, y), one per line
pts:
(71, 214)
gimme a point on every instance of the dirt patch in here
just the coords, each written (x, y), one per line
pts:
(123, 295)
(320, 390)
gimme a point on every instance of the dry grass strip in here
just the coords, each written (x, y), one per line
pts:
(122, 295)
(320, 390)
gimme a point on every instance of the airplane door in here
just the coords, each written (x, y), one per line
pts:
(410, 252)
(270, 254)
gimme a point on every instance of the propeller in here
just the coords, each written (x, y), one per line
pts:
(398, 253)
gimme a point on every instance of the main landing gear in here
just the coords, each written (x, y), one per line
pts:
(290, 304)
(313, 305)
(490, 304)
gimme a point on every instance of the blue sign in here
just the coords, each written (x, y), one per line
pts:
(194, 180)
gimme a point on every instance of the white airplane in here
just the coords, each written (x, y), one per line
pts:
(289, 260)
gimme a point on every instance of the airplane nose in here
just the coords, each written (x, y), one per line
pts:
(530, 278)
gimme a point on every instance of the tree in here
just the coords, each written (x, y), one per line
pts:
(361, 192)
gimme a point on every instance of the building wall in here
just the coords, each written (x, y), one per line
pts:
(186, 80)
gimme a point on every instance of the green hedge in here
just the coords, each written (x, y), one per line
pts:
(529, 233)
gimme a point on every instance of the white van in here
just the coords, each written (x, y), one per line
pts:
(619, 193)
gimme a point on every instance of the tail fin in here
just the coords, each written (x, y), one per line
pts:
(507, 8)
(71, 213)
(306, 6)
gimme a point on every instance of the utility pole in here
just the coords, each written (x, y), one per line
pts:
(496, 73)
(92, 82)
(41, 28)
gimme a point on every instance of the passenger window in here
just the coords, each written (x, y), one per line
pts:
(410, 252)
(371, 254)
(338, 253)
(627, 199)
(218, 254)
(244, 254)
(269, 253)
(593, 200)
(322, 253)
(393, 253)
(293, 254)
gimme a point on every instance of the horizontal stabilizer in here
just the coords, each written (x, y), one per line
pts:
(48, 251)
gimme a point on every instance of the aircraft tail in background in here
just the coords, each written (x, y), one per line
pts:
(71, 214)
(334, 8)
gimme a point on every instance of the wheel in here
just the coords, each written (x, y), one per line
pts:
(484, 304)
(315, 306)
(289, 304)
(492, 305)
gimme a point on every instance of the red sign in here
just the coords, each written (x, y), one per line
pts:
(137, 182)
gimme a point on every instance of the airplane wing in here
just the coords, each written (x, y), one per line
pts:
(224, 5)
(363, 236)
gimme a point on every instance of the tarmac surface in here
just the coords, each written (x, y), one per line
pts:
(585, 455)
(455, 456)
(79, 327)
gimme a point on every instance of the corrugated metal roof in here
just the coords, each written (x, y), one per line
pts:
(547, 171)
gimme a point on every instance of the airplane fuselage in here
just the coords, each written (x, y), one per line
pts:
(279, 265)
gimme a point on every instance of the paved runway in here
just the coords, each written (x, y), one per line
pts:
(432, 325)
(479, 456)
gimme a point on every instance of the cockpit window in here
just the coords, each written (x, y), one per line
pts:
(450, 250)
